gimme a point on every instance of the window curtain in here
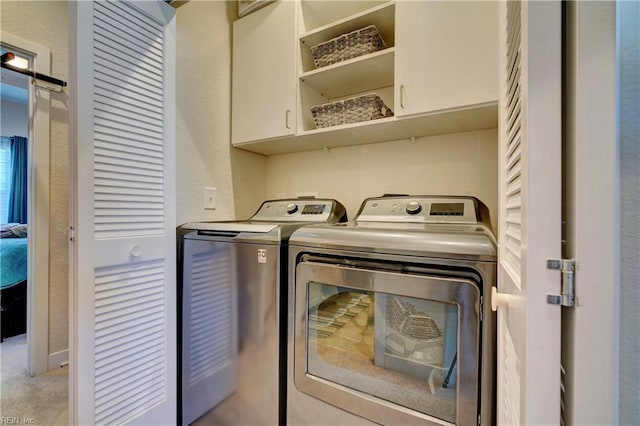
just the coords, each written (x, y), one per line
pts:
(17, 211)
(5, 176)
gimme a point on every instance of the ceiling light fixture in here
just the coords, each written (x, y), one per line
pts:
(12, 62)
(18, 62)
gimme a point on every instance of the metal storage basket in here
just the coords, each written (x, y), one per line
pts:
(354, 110)
(346, 46)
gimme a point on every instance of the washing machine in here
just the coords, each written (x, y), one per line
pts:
(389, 316)
(232, 321)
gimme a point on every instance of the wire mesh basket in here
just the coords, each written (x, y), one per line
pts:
(347, 46)
(353, 110)
(409, 320)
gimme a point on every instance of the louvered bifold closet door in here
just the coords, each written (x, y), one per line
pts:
(529, 212)
(128, 122)
(513, 144)
(124, 365)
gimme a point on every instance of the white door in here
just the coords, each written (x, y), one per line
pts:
(530, 202)
(123, 341)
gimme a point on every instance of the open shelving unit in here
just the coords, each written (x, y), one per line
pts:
(370, 73)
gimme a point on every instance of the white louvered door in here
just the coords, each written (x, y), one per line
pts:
(123, 349)
(530, 198)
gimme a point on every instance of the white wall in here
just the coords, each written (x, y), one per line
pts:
(629, 31)
(46, 23)
(455, 164)
(14, 119)
(204, 156)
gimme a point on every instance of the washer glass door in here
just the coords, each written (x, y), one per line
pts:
(386, 345)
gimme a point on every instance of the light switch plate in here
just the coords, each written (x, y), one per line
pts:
(209, 198)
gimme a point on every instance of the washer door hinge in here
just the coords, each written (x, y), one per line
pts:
(567, 269)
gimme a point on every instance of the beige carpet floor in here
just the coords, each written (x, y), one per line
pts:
(41, 400)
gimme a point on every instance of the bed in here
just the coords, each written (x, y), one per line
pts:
(13, 281)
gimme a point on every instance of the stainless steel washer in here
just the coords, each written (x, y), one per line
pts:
(389, 319)
(232, 329)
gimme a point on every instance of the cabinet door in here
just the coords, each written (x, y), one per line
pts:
(446, 55)
(264, 74)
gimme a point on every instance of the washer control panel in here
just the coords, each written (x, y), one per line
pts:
(420, 209)
(297, 210)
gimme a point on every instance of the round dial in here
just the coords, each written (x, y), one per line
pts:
(292, 208)
(413, 207)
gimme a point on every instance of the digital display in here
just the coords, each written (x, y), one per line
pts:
(313, 209)
(447, 209)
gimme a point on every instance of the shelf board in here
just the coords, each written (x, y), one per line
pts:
(383, 17)
(354, 75)
(277, 146)
(455, 120)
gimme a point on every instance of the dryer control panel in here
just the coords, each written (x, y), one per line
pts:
(420, 209)
(301, 210)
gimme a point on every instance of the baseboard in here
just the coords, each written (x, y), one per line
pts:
(56, 360)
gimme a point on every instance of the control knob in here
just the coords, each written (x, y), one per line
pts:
(413, 207)
(292, 208)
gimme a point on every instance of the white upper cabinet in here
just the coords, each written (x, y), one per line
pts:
(264, 74)
(437, 73)
(446, 55)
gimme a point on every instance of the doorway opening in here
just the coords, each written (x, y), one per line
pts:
(38, 104)
(24, 216)
(14, 147)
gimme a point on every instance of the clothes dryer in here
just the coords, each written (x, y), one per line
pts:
(390, 321)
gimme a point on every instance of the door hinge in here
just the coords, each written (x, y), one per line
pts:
(567, 269)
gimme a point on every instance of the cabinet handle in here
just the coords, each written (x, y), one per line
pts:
(286, 119)
(402, 96)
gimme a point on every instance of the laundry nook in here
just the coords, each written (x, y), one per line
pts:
(319, 212)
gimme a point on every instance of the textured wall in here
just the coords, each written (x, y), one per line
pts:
(629, 37)
(204, 156)
(46, 23)
(455, 164)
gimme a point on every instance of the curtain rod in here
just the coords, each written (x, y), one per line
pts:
(8, 56)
